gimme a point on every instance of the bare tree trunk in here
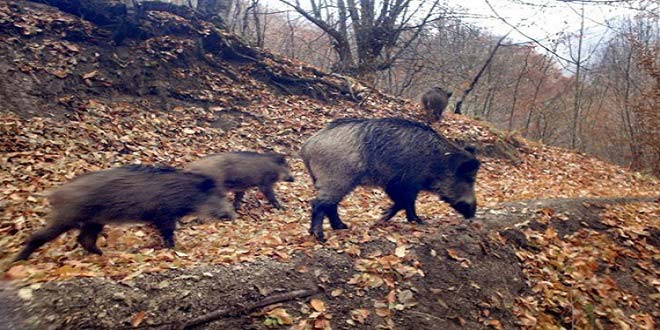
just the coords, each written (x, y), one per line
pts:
(258, 24)
(459, 104)
(546, 64)
(291, 49)
(578, 84)
(626, 117)
(516, 89)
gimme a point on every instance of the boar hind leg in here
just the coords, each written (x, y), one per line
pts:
(42, 237)
(270, 195)
(411, 214)
(166, 229)
(325, 204)
(238, 198)
(319, 211)
(397, 195)
(87, 237)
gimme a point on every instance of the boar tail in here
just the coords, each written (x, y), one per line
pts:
(309, 169)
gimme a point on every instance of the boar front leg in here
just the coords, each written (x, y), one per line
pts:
(404, 199)
(88, 235)
(166, 228)
(270, 195)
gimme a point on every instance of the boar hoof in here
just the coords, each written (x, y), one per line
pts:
(339, 226)
(318, 234)
(169, 243)
(417, 221)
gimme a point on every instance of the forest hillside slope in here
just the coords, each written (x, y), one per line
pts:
(73, 99)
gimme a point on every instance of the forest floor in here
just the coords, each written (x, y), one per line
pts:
(561, 239)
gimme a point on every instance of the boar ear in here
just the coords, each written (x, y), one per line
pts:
(471, 149)
(278, 158)
(469, 168)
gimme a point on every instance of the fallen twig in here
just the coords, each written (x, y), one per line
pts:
(220, 313)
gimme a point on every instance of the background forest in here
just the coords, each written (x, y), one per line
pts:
(593, 88)
(560, 239)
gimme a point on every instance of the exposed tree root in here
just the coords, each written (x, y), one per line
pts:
(224, 312)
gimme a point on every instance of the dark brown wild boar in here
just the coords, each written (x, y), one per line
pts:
(159, 195)
(402, 156)
(239, 171)
(434, 101)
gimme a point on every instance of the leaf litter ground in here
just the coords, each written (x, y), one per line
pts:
(93, 122)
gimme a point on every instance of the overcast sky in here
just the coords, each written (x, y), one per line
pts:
(542, 20)
(534, 20)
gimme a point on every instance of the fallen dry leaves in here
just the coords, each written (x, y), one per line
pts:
(41, 152)
(577, 279)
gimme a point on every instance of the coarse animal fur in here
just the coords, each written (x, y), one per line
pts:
(403, 157)
(434, 102)
(159, 195)
(239, 171)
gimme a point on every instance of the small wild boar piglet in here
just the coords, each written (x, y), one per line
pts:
(403, 157)
(242, 170)
(159, 195)
(434, 101)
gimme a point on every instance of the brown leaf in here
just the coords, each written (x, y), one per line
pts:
(495, 324)
(60, 73)
(137, 319)
(453, 254)
(360, 315)
(16, 272)
(90, 74)
(318, 305)
(322, 323)
(281, 315)
(383, 312)
(336, 292)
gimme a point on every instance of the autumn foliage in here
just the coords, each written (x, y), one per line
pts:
(79, 116)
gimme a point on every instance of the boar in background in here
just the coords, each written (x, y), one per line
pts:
(434, 102)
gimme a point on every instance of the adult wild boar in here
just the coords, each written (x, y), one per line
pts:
(435, 101)
(239, 171)
(404, 157)
(159, 195)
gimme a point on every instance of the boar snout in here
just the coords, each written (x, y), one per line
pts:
(228, 214)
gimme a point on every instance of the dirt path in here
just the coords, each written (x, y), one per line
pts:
(469, 279)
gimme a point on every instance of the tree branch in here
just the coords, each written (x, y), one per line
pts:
(515, 27)
(476, 78)
(220, 313)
